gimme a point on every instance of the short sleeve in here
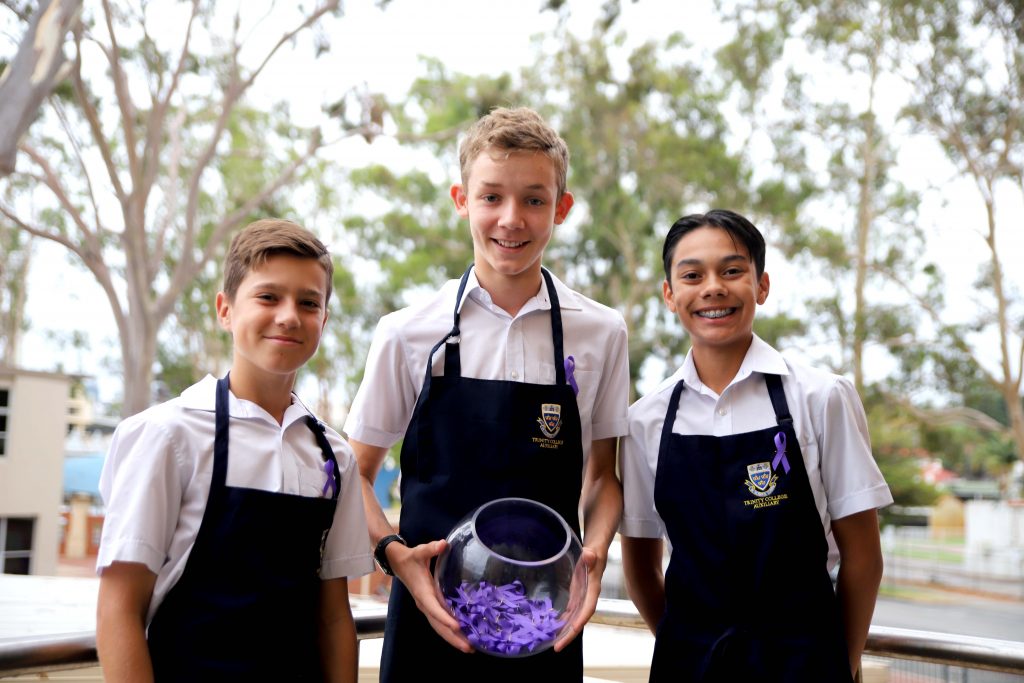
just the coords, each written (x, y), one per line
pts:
(853, 483)
(612, 399)
(638, 458)
(386, 397)
(347, 553)
(142, 483)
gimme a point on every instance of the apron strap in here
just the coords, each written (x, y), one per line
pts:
(778, 397)
(452, 358)
(670, 416)
(220, 440)
(556, 328)
(320, 433)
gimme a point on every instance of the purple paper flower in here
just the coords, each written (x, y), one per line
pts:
(502, 620)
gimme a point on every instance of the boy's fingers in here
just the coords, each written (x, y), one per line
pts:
(453, 637)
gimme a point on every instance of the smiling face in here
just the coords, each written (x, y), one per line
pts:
(715, 289)
(275, 318)
(511, 201)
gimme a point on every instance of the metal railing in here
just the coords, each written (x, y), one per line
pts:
(40, 654)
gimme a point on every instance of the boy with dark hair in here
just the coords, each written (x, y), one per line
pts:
(759, 471)
(505, 383)
(218, 568)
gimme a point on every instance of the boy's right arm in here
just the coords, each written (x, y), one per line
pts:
(410, 565)
(645, 580)
(124, 595)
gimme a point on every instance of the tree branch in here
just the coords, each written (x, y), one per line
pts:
(83, 97)
(327, 7)
(32, 73)
(51, 181)
(124, 97)
(77, 147)
(155, 132)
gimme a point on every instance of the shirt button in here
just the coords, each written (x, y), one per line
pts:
(722, 411)
(515, 375)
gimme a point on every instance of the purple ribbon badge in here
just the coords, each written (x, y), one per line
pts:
(780, 453)
(570, 365)
(329, 484)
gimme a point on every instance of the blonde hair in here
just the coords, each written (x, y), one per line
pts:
(512, 130)
(268, 237)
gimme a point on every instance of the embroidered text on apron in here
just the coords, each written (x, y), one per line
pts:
(246, 606)
(747, 591)
(471, 441)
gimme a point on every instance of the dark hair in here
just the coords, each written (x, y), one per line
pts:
(741, 230)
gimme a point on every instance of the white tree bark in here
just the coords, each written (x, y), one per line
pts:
(30, 77)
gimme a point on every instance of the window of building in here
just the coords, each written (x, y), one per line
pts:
(5, 396)
(16, 544)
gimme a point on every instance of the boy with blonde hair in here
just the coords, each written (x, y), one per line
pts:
(465, 378)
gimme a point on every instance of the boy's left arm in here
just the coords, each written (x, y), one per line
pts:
(339, 650)
(602, 509)
(860, 573)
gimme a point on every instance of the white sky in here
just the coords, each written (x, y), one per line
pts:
(382, 49)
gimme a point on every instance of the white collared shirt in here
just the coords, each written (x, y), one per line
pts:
(828, 419)
(156, 480)
(494, 345)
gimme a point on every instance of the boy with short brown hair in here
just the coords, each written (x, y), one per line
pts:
(235, 568)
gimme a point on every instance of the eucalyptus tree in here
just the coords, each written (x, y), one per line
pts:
(967, 90)
(829, 129)
(31, 75)
(15, 258)
(136, 167)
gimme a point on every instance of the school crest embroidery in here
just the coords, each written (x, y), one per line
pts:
(760, 480)
(550, 419)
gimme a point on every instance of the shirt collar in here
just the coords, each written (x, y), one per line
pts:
(761, 357)
(203, 396)
(567, 298)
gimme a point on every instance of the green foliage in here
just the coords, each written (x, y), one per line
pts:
(898, 449)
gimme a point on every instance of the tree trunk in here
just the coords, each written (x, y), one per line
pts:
(138, 353)
(865, 217)
(30, 77)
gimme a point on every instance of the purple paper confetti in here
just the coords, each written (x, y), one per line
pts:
(502, 620)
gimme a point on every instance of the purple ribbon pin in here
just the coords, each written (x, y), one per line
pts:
(570, 365)
(780, 453)
(329, 484)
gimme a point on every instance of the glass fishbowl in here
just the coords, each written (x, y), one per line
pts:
(512, 577)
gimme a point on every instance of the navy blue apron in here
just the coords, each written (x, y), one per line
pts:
(471, 441)
(246, 606)
(748, 596)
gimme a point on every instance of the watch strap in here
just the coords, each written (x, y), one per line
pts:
(381, 557)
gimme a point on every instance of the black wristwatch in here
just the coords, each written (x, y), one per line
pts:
(381, 556)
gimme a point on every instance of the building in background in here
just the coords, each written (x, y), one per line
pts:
(33, 424)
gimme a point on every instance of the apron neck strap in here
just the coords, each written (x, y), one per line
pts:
(452, 358)
(222, 417)
(778, 397)
(775, 393)
(670, 415)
